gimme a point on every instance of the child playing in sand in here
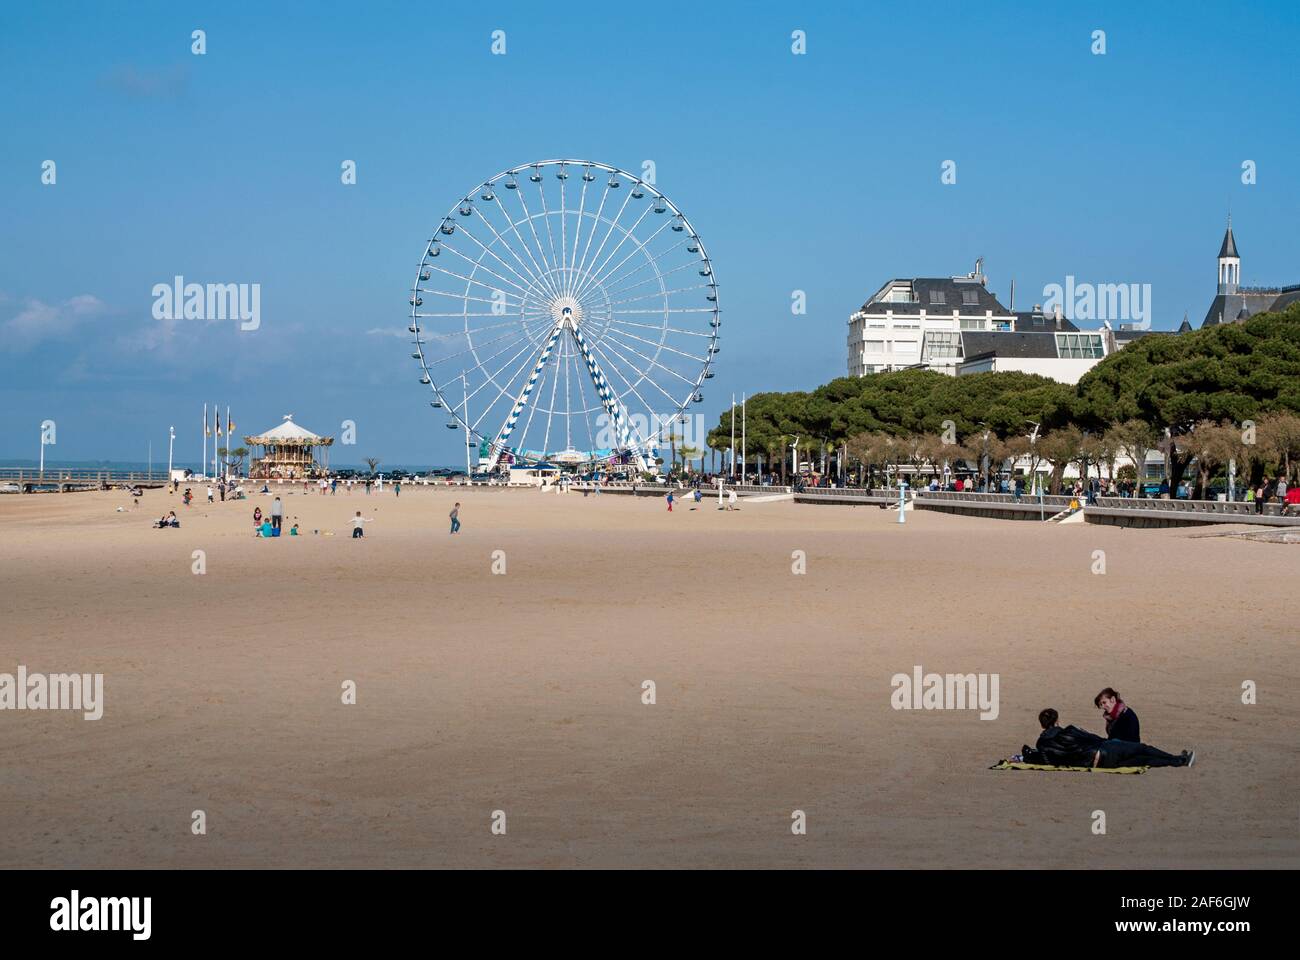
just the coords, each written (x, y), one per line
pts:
(455, 518)
(357, 521)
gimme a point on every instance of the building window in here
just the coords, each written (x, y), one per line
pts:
(972, 324)
(970, 297)
(1079, 346)
(938, 297)
(942, 346)
(874, 346)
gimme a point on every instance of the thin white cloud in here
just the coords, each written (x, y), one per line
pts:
(38, 321)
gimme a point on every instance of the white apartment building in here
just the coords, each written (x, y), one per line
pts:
(955, 325)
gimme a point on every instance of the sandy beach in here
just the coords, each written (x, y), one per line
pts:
(479, 692)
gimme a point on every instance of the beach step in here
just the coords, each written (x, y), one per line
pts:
(770, 498)
(1065, 515)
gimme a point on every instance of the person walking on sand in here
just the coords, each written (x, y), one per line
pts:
(277, 513)
(357, 521)
(397, 488)
(455, 518)
(731, 499)
(209, 493)
(670, 501)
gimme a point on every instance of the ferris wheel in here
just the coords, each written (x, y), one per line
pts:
(565, 311)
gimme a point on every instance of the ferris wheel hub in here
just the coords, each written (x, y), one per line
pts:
(566, 310)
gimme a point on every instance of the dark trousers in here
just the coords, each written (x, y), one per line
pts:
(1123, 753)
(356, 532)
(275, 521)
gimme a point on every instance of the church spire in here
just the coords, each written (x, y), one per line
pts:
(1229, 262)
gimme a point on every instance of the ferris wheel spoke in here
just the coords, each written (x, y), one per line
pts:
(652, 360)
(577, 230)
(601, 275)
(613, 291)
(662, 345)
(533, 280)
(653, 326)
(550, 413)
(582, 400)
(532, 228)
(631, 388)
(594, 278)
(583, 269)
(489, 252)
(503, 435)
(667, 310)
(564, 242)
(591, 234)
(477, 265)
(472, 352)
(523, 244)
(461, 276)
(504, 387)
(659, 293)
(465, 296)
(423, 315)
(550, 236)
(609, 398)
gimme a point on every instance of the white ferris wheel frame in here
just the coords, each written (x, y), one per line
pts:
(552, 301)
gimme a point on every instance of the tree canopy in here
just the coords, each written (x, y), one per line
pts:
(1231, 372)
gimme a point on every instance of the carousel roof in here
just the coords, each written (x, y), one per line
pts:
(289, 433)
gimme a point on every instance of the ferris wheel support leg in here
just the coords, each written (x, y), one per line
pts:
(503, 435)
(610, 401)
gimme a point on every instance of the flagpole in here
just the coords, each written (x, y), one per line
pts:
(171, 442)
(732, 471)
(203, 463)
(743, 461)
(227, 443)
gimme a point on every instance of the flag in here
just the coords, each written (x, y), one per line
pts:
(217, 419)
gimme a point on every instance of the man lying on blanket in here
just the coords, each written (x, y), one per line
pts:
(1072, 747)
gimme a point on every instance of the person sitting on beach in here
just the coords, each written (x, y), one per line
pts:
(171, 519)
(293, 531)
(1072, 747)
(358, 520)
(266, 530)
(1121, 721)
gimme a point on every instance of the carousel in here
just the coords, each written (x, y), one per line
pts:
(288, 453)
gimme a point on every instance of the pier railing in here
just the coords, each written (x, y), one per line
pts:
(1171, 512)
(63, 478)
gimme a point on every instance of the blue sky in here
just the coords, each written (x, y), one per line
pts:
(818, 172)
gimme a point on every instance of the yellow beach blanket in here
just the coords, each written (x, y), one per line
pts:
(1008, 765)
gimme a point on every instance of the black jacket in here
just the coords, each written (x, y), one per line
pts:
(1069, 746)
(1124, 727)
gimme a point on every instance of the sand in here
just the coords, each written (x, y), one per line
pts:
(478, 692)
